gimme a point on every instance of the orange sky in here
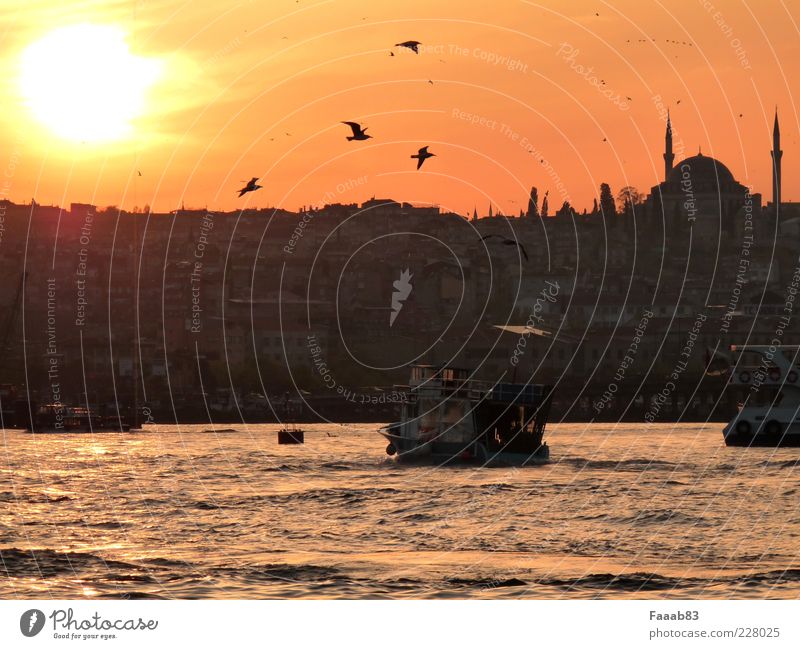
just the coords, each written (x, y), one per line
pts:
(238, 74)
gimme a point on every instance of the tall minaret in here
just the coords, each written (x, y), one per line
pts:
(669, 157)
(777, 154)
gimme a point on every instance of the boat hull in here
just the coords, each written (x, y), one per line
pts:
(766, 441)
(406, 451)
(77, 431)
(291, 436)
(764, 427)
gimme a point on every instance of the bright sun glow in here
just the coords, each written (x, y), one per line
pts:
(84, 84)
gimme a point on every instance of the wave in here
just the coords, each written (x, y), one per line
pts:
(641, 581)
(632, 464)
(486, 583)
(139, 595)
(628, 582)
(333, 494)
(34, 498)
(775, 464)
(52, 563)
(771, 577)
(658, 516)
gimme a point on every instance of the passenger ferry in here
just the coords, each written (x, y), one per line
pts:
(59, 418)
(450, 417)
(770, 412)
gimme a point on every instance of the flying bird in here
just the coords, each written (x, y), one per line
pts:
(251, 186)
(412, 45)
(422, 155)
(528, 330)
(358, 132)
(507, 242)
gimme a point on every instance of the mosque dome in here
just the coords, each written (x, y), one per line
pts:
(702, 170)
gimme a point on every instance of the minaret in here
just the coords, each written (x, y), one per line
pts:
(777, 154)
(669, 157)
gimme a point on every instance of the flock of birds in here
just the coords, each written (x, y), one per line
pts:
(359, 133)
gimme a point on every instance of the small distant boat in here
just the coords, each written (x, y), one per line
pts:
(292, 435)
(450, 417)
(769, 413)
(56, 418)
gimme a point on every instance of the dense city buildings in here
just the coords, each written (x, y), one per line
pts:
(625, 304)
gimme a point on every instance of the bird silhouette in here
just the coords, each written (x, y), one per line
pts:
(507, 242)
(422, 155)
(412, 45)
(358, 132)
(251, 186)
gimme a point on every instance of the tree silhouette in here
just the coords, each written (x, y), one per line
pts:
(608, 208)
(565, 210)
(629, 197)
(533, 209)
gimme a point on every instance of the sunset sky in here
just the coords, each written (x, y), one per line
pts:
(211, 93)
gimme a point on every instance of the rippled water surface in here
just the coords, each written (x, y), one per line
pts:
(185, 512)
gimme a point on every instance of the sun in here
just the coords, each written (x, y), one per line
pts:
(84, 84)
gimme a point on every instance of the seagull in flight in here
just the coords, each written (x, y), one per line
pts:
(358, 132)
(251, 186)
(412, 45)
(507, 242)
(422, 155)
